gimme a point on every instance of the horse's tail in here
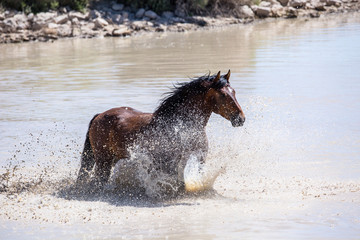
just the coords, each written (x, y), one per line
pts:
(87, 157)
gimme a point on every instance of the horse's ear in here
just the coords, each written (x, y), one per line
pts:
(227, 76)
(217, 78)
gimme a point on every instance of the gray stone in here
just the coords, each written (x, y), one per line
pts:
(263, 12)
(100, 22)
(284, 2)
(62, 19)
(52, 25)
(94, 14)
(297, 3)
(117, 7)
(38, 24)
(116, 18)
(150, 14)
(140, 13)
(63, 10)
(9, 25)
(168, 14)
(246, 12)
(77, 15)
(336, 3)
(264, 4)
(64, 30)
(45, 16)
(278, 11)
(30, 16)
(291, 13)
(75, 21)
(2, 16)
(119, 32)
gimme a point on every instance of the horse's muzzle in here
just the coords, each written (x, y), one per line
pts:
(237, 120)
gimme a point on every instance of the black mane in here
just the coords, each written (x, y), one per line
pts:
(182, 92)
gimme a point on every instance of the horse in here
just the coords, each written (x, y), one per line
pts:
(169, 136)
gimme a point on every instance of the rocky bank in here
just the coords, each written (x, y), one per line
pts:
(117, 20)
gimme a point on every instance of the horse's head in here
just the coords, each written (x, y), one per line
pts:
(221, 98)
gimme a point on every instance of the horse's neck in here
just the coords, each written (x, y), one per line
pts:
(189, 117)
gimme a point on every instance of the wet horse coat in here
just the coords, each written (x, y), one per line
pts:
(168, 136)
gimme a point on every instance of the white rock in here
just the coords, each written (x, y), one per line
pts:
(140, 13)
(75, 21)
(264, 4)
(246, 12)
(150, 14)
(278, 11)
(52, 25)
(46, 16)
(124, 31)
(77, 15)
(62, 19)
(336, 3)
(64, 30)
(100, 22)
(117, 7)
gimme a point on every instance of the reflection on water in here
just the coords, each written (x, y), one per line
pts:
(297, 81)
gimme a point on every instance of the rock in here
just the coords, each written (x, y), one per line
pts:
(297, 3)
(75, 21)
(336, 3)
(50, 31)
(246, 12)
(63, 10)
(75, 32)
(62, 19)
(140, 13)
(45, 16)
(117, 7)
(64, 30)
(263, 12)
(168, 14)
(284, 2)
(291, 13)
(319, 6)
(94, 14)
(121, 32)
(278, 11)
(9, 25)
(254, 8)
(138, 25)
(100, 23)
(116, 18)
(2, 16)
(30, 17)
(314, 14)
(77, 15)
(264, 4)
(38, 24)
(150, 14)
(52, 25)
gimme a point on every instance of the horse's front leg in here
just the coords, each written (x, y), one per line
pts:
(103, 168)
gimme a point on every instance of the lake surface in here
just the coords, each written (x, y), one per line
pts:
(292, 171)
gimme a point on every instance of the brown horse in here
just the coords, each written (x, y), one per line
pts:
(168, 136)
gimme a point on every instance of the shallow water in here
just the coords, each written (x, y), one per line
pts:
(292, 171)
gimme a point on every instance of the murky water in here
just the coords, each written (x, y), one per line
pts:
(293, 170)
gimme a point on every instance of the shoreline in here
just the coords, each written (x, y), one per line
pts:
(117, 20)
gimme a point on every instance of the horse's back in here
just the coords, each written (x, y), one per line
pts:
(112, 130)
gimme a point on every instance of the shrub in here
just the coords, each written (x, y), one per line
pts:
(43, 5)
